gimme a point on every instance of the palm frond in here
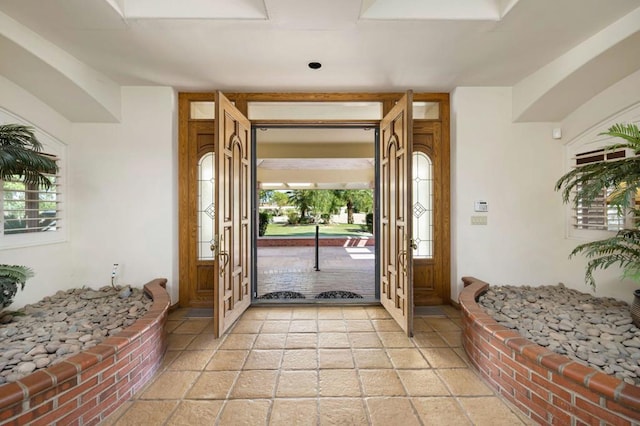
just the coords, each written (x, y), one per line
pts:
(628, 132)
(18, 273)
(623, 249)
(20, 156)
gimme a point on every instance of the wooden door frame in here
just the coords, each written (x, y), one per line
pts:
(241, 100)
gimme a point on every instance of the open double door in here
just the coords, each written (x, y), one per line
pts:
(232, 242)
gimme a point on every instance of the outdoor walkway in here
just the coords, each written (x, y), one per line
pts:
(293, 269)
(312, 365)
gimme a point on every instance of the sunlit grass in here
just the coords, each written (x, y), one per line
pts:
(336, 230)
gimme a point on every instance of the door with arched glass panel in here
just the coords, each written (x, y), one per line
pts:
(430, 213)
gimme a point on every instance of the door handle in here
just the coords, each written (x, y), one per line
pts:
(402, 255)
(223, 255)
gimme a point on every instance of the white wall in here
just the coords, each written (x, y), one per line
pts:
(52, 262)
(512, 166)
(123, 182)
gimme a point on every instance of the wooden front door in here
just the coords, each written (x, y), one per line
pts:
(430, 214)
(232, 242)
(394, 168)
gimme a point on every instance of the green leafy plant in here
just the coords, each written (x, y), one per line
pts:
(263, 222)
(10, 277)
(585, 183)
(20, 156)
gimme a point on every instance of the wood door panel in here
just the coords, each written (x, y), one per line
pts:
(396, 287)
(431, 277)
(233, 221)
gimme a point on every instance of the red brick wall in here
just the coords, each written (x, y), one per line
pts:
(548, 387)
(85, 388)
(311, 242)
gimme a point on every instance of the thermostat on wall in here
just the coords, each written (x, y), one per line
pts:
(481, 206)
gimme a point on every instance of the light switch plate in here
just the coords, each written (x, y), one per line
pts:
(478, 220)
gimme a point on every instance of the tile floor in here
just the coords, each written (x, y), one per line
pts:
(310, 365)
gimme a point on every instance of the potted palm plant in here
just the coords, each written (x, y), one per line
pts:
(622, 180)
(21, 158)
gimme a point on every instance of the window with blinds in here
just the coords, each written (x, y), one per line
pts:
(30, 208)
(599, 214)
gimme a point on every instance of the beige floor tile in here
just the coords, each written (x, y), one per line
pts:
(169, 357)
(333, 340)
(440, 411)
(279, 313)
(178, 342)
(342, 411)
(381, 383)
(372, 358)
(421, 326)
(335, 358)
(339, 383)
(458, 322)
(359, 325)
(147, 413)
(172, 325)
(365, 340)
(170, 385)
(303, 326)
(330, 312)
(429, 340)
(191, 360)
(294, 412)
(177, 314)
(205, 341)
(238, 341)
(280, 326)
(443, 358)
(195, 413)
(408, 358)
(301, 341)
(451, 311)
(245, 412)
(395, 339)
(247, 326)
(391, 411)
(227, 360)
(263, 360)
(422, 383)
(355, 313)
(192, 326)
(305, 312)
(256, 313)
(462, 354)
(489, 411)
(297, 384)
(442, 324)
(300, 359)
(213, 385)
(270, 341)
(377, 312)
(453, 338)
(255, 384)
(112, 419)
(386, 325)
(331, 325)
(463, 382)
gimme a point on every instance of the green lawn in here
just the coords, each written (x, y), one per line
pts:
(339, 230)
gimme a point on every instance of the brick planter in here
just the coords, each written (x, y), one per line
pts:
(85, 388)
(548, 387)
(322, 242)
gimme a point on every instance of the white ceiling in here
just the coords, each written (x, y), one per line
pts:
(382, 54)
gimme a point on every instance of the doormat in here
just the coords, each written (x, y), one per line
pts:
(429, 311)
(199, 313)
(338, 294)
(281, 295)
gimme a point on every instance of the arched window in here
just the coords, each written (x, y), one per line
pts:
(206, 205)
(422, 205)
